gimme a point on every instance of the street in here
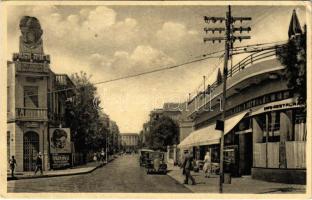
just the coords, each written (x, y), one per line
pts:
(123, 175)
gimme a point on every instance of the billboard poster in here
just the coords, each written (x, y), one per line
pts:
(60, 140)
(60, 161)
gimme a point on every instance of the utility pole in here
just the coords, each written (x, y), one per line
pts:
(229, 39)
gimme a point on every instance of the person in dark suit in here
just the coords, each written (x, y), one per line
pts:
(187, 167)
(38, 164)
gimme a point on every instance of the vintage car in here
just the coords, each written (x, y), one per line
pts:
(156, 163)
(144, 156)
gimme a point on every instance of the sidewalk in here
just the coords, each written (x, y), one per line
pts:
(241, 185)
(81, 169)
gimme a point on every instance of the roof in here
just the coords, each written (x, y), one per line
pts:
(294, 26)
(172, 106)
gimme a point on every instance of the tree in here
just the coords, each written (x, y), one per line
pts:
(163, 132)
(293, 56)
(84, 124)
(114, 136)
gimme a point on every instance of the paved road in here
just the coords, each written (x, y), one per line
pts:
(122, 175)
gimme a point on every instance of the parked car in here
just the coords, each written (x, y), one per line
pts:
(156, 163)
(144, 156)
(128, 151)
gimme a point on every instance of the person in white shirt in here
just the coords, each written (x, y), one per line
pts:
(207, 165)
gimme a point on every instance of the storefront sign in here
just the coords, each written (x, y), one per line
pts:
(32, 67)
(60, 140)
(60, 160)
(282, 106)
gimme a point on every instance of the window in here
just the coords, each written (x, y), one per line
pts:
(8, 144)
(9, 99)
(279, 96)
(273, 127)
(286, 94)
(31, 96)
(273, 97)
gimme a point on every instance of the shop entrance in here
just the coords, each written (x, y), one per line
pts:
(31, 150)
(245, 153)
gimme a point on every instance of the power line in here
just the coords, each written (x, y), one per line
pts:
(134, 75)
(202, 57)
(259, 44)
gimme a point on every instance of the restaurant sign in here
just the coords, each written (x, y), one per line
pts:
(282, 106)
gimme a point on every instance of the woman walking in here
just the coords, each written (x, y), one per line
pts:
(207, 165)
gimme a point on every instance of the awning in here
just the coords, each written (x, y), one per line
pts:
(209, 135)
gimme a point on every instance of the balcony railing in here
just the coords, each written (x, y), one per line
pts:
(240, 66)
(37, 114)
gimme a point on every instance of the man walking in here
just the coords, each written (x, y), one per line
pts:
(13, 164)
(38, 164)
(187, 167)
(102, 155)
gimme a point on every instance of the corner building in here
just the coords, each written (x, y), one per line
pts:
(265, 127)
(32, 108)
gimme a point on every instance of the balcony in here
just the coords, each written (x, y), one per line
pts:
(32, 114)
(250, 71)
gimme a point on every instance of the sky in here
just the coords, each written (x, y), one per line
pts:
(114, 41)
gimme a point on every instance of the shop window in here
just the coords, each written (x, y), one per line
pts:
(273, 127)
(274, 123)
(215, 154)
(300, 129)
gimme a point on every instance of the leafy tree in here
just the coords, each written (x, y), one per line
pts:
(114, 135)
(163, 132)
(293, 56)
(84, 124)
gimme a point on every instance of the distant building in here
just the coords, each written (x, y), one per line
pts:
(130, 140)
(172, 110)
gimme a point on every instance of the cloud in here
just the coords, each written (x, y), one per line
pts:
(142, 58)
(177, 39)
(85, 31)
(173, 32)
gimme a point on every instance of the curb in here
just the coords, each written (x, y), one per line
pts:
(58, 175)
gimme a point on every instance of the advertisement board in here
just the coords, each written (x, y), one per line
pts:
(60, 161)
(60, 140)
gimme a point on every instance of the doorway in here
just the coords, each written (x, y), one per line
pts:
(30, 150)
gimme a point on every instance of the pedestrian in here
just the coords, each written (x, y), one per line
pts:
(94, 157)
(102, 155)
(38, 164)
(207, 165)
(13, 164)
(187, 167)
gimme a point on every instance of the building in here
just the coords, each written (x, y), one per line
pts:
(130, 140)
(172, 110)
(265, 127)
(33, 106)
